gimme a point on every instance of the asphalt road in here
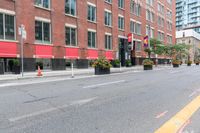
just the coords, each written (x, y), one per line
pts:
(131, 102)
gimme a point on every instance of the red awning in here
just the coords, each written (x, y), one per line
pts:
(8, 49)
(109, 55)
(92, 54)
(72, 53)
(43, 51)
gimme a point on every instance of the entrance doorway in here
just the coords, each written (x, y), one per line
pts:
(123, 54)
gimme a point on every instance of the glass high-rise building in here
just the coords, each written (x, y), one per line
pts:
(188, 14)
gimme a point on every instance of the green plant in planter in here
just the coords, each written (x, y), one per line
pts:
(148, 62)
(16, 62)
(102, 63)
(116, 63)
(128, 63)
(176, 62)
(196, 61)
(102, 66)
(16, 66)
(189, 63)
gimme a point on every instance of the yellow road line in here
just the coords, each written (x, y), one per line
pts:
(177, 121)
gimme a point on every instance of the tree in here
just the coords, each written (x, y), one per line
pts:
(155, 47)
(177, 51)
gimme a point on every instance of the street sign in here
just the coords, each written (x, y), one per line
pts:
(22, 31)
(24, 34)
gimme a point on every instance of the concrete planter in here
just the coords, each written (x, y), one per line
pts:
(175, 65)
(101, 71)
(148, 67)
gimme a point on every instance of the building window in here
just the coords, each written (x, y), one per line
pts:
(135, 8)
(169, 26)
(91, 39)
(43, 3)
(121, 23)
(161, 21)
(91, 13)
(7, 27)
(161, 8)
(138, 46)
(150, 16)
(70, 7)
(109, 1)
(169, 1)
(108, 42)
(150, 2)
(135, 27)
(70, 36)
(108, 18)
(169, 14)
(151, 31)
(121, 3)
(42, 32)
(169, 39)
(161, 36)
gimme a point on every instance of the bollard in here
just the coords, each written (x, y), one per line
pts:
(72, 67)
(120, 67)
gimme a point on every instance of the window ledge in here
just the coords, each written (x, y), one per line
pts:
(1, 40)
(69, 15)
(121, 30)
(41, 43)
(108, 26)
(92, 21)
(47, 9)
(111, 50)
(121, 8)
(92, 48)
(66, 46)
(108, 2)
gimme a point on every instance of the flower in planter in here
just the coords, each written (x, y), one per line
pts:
(176, 62)
(148, 62)
(196, 61)
(189, 62)
(102, 63)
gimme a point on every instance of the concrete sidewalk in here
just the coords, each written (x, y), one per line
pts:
(68, 72)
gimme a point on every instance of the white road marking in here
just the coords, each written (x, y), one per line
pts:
(82, 102)
(103, 84)
(79, 102)
(161, 114)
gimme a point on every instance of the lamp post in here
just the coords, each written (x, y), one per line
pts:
(22, 33)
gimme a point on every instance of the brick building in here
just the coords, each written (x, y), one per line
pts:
(81, 30)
